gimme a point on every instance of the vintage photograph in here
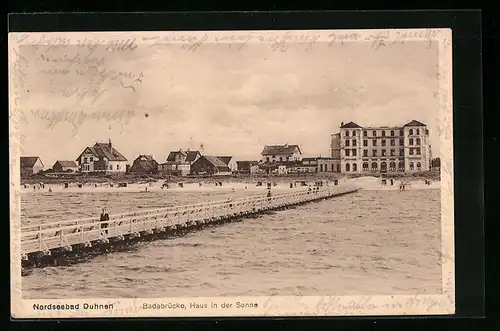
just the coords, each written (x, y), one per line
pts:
(206, 173)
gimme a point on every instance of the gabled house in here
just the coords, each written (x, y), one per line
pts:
(30, 165)
(179, 162)
(144, 164)
(102, 158)
(281, 153)
(230, 162)
(65, 166)
(210, 165)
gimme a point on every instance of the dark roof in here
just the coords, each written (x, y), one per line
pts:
(147, 165)
(350, 125)
(28, 161)
(309, 159)
(280, 149)
(218, 163)
(103, 150)
(414, 123)
(70, 164)
(189, 155)
(225, 159)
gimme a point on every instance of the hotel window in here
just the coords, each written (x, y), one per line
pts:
(281, 159)
(353, 152)
(110, 167)
(321, 168)
(374, 133)
(392, 166)
(365, 133)
(401, 132)
(338, 167)
(84, 160)
(411, 132)
(393, 142)
(347, 143)
(411, 166)
(383, 152)
(332, 167)
(411, 141)
(393, 152)
(354, 142)
(374, 152)
(267, 159)
(401, 141)
(91, 159)
(365, 166)
(117, 167)
(374, 166)
(347, 152)
(419, 166)
(365, 142)
(374, 142)
(383, 133)
(392, 133)
(418, 132)
(347, 133)
(401, 165)
(418, 150)
(411, 151)
(383, 142)
(418, 142)
(365, 153)
(353, 133)
(354, 167)
(401, 152)
(347, 167)
(383, 166)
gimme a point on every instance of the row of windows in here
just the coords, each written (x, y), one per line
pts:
(413, 151)
(383, 166)
(391, 133)
(324, 167)
(384, 142)
(86, 167)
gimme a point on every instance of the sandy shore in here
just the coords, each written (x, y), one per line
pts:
(367, 183)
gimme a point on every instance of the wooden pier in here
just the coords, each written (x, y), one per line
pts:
(65, 236)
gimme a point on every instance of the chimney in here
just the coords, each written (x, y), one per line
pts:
(109, 144)
(341, 124)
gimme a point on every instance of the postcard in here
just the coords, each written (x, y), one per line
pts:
(231, 173)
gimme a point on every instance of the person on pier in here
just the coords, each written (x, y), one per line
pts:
(104, 220)
(269, 195)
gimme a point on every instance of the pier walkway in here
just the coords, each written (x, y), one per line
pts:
(46, 237)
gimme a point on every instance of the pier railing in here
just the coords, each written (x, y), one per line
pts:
(64, 234)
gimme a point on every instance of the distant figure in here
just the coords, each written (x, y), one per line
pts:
(199, 184)
(269, 195)
(95, 185)
(104, 220)
(50, 190)
(146, 189)
(245, 187)
(291, 185)
(309, 190)
(232, 189)
(392, 182)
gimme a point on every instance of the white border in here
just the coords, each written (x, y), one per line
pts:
(267, 306)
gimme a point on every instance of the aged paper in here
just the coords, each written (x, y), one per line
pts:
(231, 173)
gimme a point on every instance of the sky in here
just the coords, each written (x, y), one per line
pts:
(219, 99)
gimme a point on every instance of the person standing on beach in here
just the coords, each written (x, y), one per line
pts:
(104, 220)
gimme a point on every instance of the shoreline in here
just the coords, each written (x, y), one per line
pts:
(250, 186)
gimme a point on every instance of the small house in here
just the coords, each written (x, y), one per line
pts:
(230, 162)
(210, 165)
(247, 167)
(30, 165)
(179, 162)
(102, 157)
(65, 166)
(144, 164)
(281, 153)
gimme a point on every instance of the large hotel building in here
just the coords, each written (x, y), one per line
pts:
(382, 149)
